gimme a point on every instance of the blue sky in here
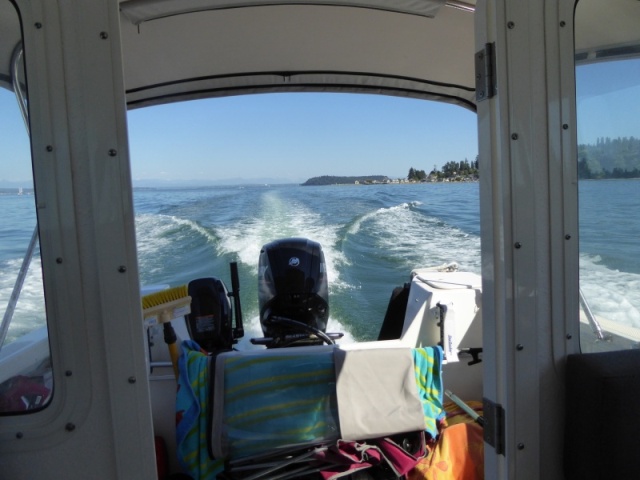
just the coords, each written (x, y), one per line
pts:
(284, 137)
(292, 137)
(15, 164)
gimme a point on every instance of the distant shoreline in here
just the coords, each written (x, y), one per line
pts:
(381, 180)
(342, 180)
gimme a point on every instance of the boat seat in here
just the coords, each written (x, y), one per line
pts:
(269, 399)
(267, 402)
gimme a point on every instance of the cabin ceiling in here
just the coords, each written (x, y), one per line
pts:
(176, 50)
(299, 47)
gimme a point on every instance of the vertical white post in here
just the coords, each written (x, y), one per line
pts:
(529, 230)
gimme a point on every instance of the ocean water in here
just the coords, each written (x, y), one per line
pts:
(372, 236)
(610, 248)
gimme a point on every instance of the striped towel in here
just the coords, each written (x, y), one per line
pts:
(276, 401)
(191, 413)
(428, 370)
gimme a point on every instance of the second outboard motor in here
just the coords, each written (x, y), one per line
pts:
(210, 323)
(293, 293)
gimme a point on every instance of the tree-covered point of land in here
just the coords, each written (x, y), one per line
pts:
(463, 168)
(450, 170)
(337, 180)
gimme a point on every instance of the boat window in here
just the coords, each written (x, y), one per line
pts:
(608, 108)
(384, 184)
(25, 371)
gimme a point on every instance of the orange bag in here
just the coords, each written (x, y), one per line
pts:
(459, 451)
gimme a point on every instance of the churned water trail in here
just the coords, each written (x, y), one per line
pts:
(372, 237)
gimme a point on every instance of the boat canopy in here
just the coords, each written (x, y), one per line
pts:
(176, 50)
(139, 11)
(267, 46)
(190, 49)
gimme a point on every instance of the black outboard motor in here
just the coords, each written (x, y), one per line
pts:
(210, 321)
(293, 293)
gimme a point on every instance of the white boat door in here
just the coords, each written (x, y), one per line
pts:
(97, 422)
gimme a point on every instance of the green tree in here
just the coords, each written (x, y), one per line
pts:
(416, 175)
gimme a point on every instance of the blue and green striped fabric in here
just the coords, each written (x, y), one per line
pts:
(428, 369)
(275, 401)
(191, 414)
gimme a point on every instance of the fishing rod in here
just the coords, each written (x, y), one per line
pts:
(479, 419)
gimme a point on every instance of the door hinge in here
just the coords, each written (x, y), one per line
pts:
(493, 414)
(485, 73)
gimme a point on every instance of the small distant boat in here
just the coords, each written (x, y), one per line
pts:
(20, 191)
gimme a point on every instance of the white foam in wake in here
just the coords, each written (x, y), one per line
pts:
(281, 219)
(29, 312)
(158, 234)
(612, 294)
(405, 234)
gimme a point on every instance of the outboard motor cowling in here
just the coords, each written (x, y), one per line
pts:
(210, 321)
(292, 285)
